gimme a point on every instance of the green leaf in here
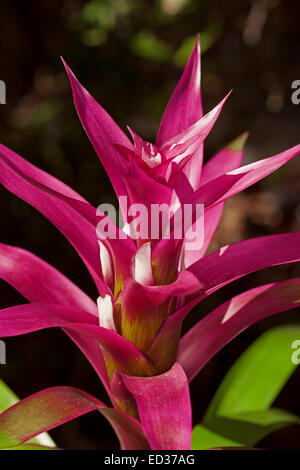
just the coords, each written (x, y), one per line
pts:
(9, 398)
(240, 413)
(246, 429)
(257, 377)
(32, 446)
(204, 438)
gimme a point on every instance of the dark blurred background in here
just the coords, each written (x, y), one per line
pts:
(130, 54)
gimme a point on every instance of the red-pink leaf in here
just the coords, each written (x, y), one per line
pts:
(226, 160)
(164, 406)
(102, 131)
(28, 318)
(38, 281)
(224, 266)
(25, 181)
(55, 406)
(184, 107)
(234, 261)
(215, 330)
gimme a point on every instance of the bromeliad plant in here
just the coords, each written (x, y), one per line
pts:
(146, 286)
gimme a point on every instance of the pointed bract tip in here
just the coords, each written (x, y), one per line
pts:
(196, 52)
(133, 134)
(198, 43)
(238, 143)
(64, 63)
(221, 104)
(70, 72)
